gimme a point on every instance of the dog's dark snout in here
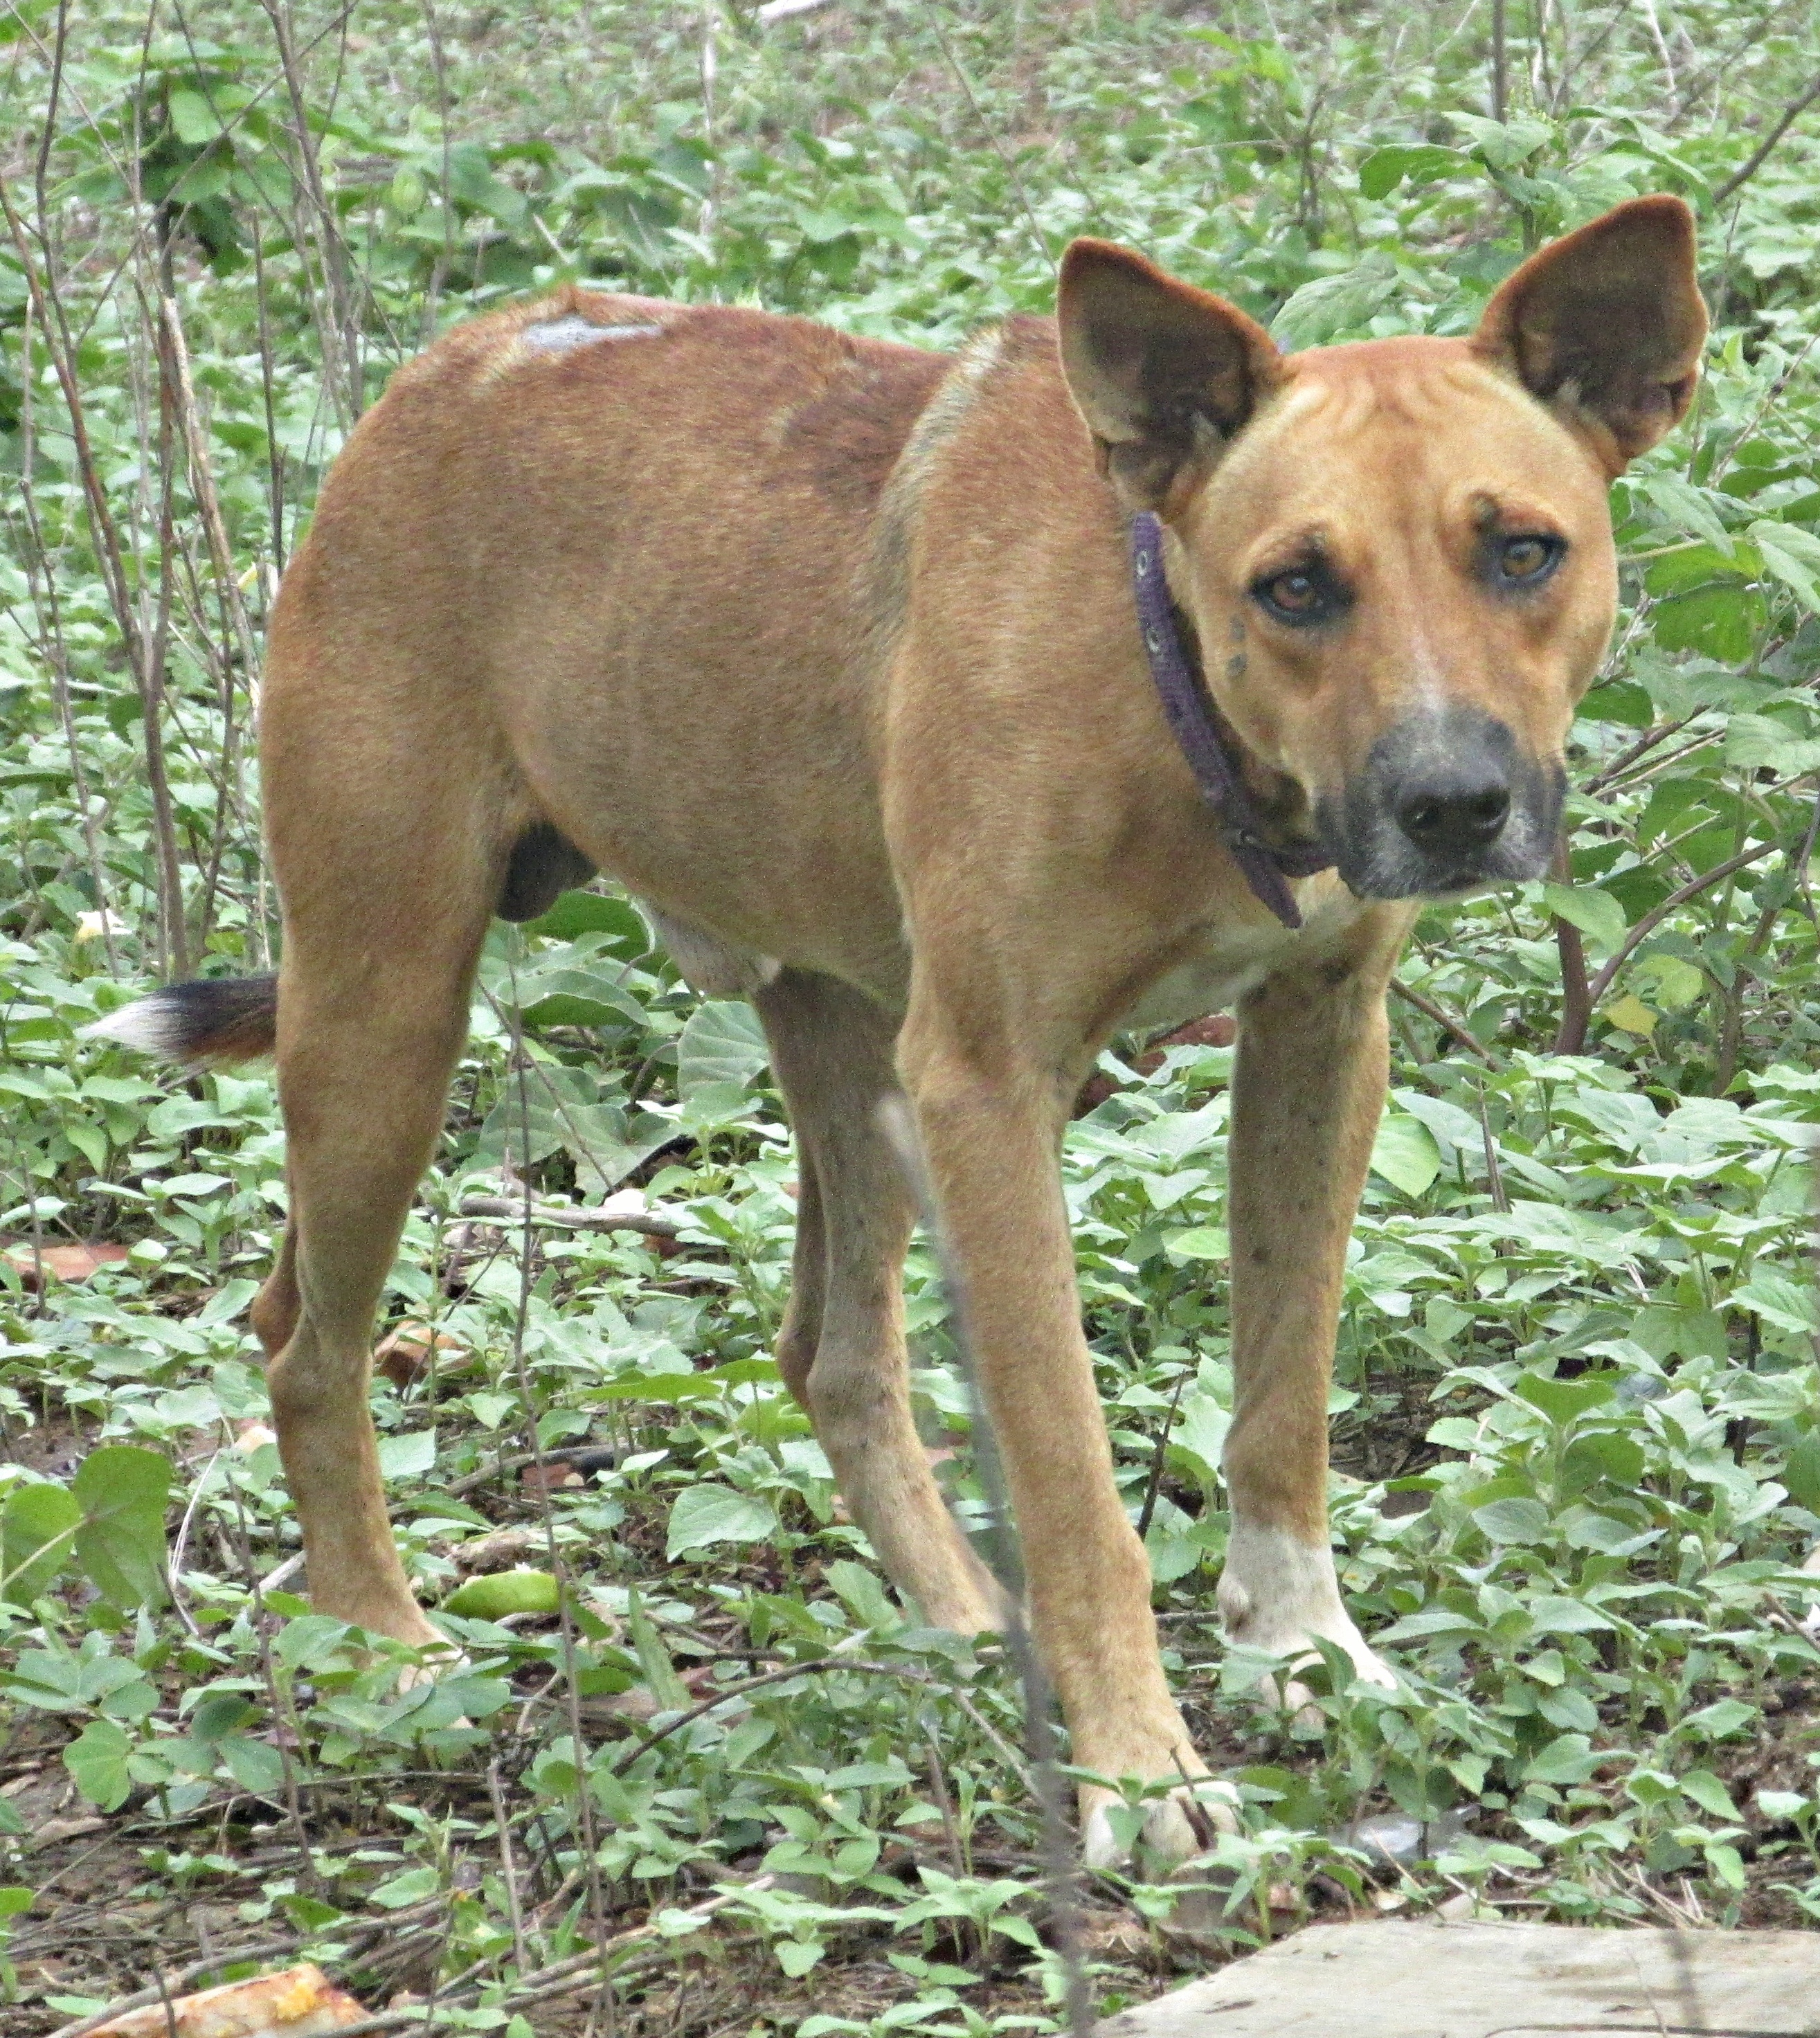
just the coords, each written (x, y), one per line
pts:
(1455, 818)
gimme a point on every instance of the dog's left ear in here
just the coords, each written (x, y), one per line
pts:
(1163, 373)
(1606, 326)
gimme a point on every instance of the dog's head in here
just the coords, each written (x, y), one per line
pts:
(1396, 555)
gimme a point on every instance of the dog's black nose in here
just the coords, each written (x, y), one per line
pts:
(1454, 817)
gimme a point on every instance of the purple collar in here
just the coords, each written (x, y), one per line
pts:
(1191, 718)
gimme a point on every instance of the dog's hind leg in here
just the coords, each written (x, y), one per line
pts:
(842, 1348)
(386, 899)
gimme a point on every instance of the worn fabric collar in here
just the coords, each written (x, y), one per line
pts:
(1216, 771)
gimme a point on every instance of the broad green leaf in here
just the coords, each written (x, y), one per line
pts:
(1420, 163)
(1321, 311)
(1596, 913)
(671, 1693)
(723, 1043)
(38, 1530)
(1792, 555)
(96, 1758)
(501, 1592)
(123, 1489)
(1404, 1154)
(578, 913)
(706, 1514)
(1562, 1400)
(411, 1456)
(1513, 1521)
(1708, 1793)
(1790, 1305)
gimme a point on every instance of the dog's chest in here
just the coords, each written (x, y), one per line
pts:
(1226, 962)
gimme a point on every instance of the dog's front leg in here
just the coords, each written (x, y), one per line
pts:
(1307, 1092)
(990, 1122)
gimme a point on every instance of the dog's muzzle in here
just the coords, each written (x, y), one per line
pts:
(1447, 803)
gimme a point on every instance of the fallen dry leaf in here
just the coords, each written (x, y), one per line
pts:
(63, 1263)
(301, 2002)
(403, 1355)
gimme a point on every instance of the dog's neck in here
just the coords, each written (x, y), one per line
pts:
(1211, 755)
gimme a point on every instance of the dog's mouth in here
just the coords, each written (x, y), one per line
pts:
(1448, 805)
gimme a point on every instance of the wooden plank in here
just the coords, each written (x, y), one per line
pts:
(1435, 1980)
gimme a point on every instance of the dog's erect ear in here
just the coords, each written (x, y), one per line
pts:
(1162, 372)
(1606, 326)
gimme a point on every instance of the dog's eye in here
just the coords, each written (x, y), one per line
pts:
(1527, 558)
(1303, 594)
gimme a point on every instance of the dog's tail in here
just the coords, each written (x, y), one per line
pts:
(216, 1019)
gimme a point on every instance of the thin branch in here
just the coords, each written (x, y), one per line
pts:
(1444, 1019)
(1761, 154)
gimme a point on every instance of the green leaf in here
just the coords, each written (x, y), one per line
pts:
(1420, 163)
(254, 1765)
(37, 1533)
(1793, 556)
(578, 913)
(493, 1597)
(411, 1887)
(723, 1043)
(1596, 913)
(671, 1693)
(1404, 1154)
(1517, 1521)
(96, 1758)
(706, 1514)
(1321, 311)
(1790, 1305)
(411, 1456)
(1708, 1793)
(1562, 1400)
(123, 1489)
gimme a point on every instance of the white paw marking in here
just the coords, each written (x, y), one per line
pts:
(1278, 1594)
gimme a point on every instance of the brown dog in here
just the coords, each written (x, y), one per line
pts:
(828, 649)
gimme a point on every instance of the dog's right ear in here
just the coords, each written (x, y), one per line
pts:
(1163, 373)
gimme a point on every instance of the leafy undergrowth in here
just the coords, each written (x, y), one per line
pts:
(1577, 1444)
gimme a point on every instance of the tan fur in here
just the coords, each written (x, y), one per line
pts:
(882, 714)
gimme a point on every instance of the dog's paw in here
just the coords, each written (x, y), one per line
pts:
(1280, 1598)
(1157, 1836)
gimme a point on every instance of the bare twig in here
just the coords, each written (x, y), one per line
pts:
(1761, 154)
(564, 1217)
(1444, 1019)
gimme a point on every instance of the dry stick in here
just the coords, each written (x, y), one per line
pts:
(1761, 154)
(227, 585)
(508, 1867)
(578, 1219)
(167, 1985)
(899, 1130)
(47, 309)
(56, 648)
(564, 1977)
(332, 249)
(1444, 1019)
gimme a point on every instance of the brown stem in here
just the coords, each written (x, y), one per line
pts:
(1576, 1000)
(1761, 154)
(1444, 1019)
